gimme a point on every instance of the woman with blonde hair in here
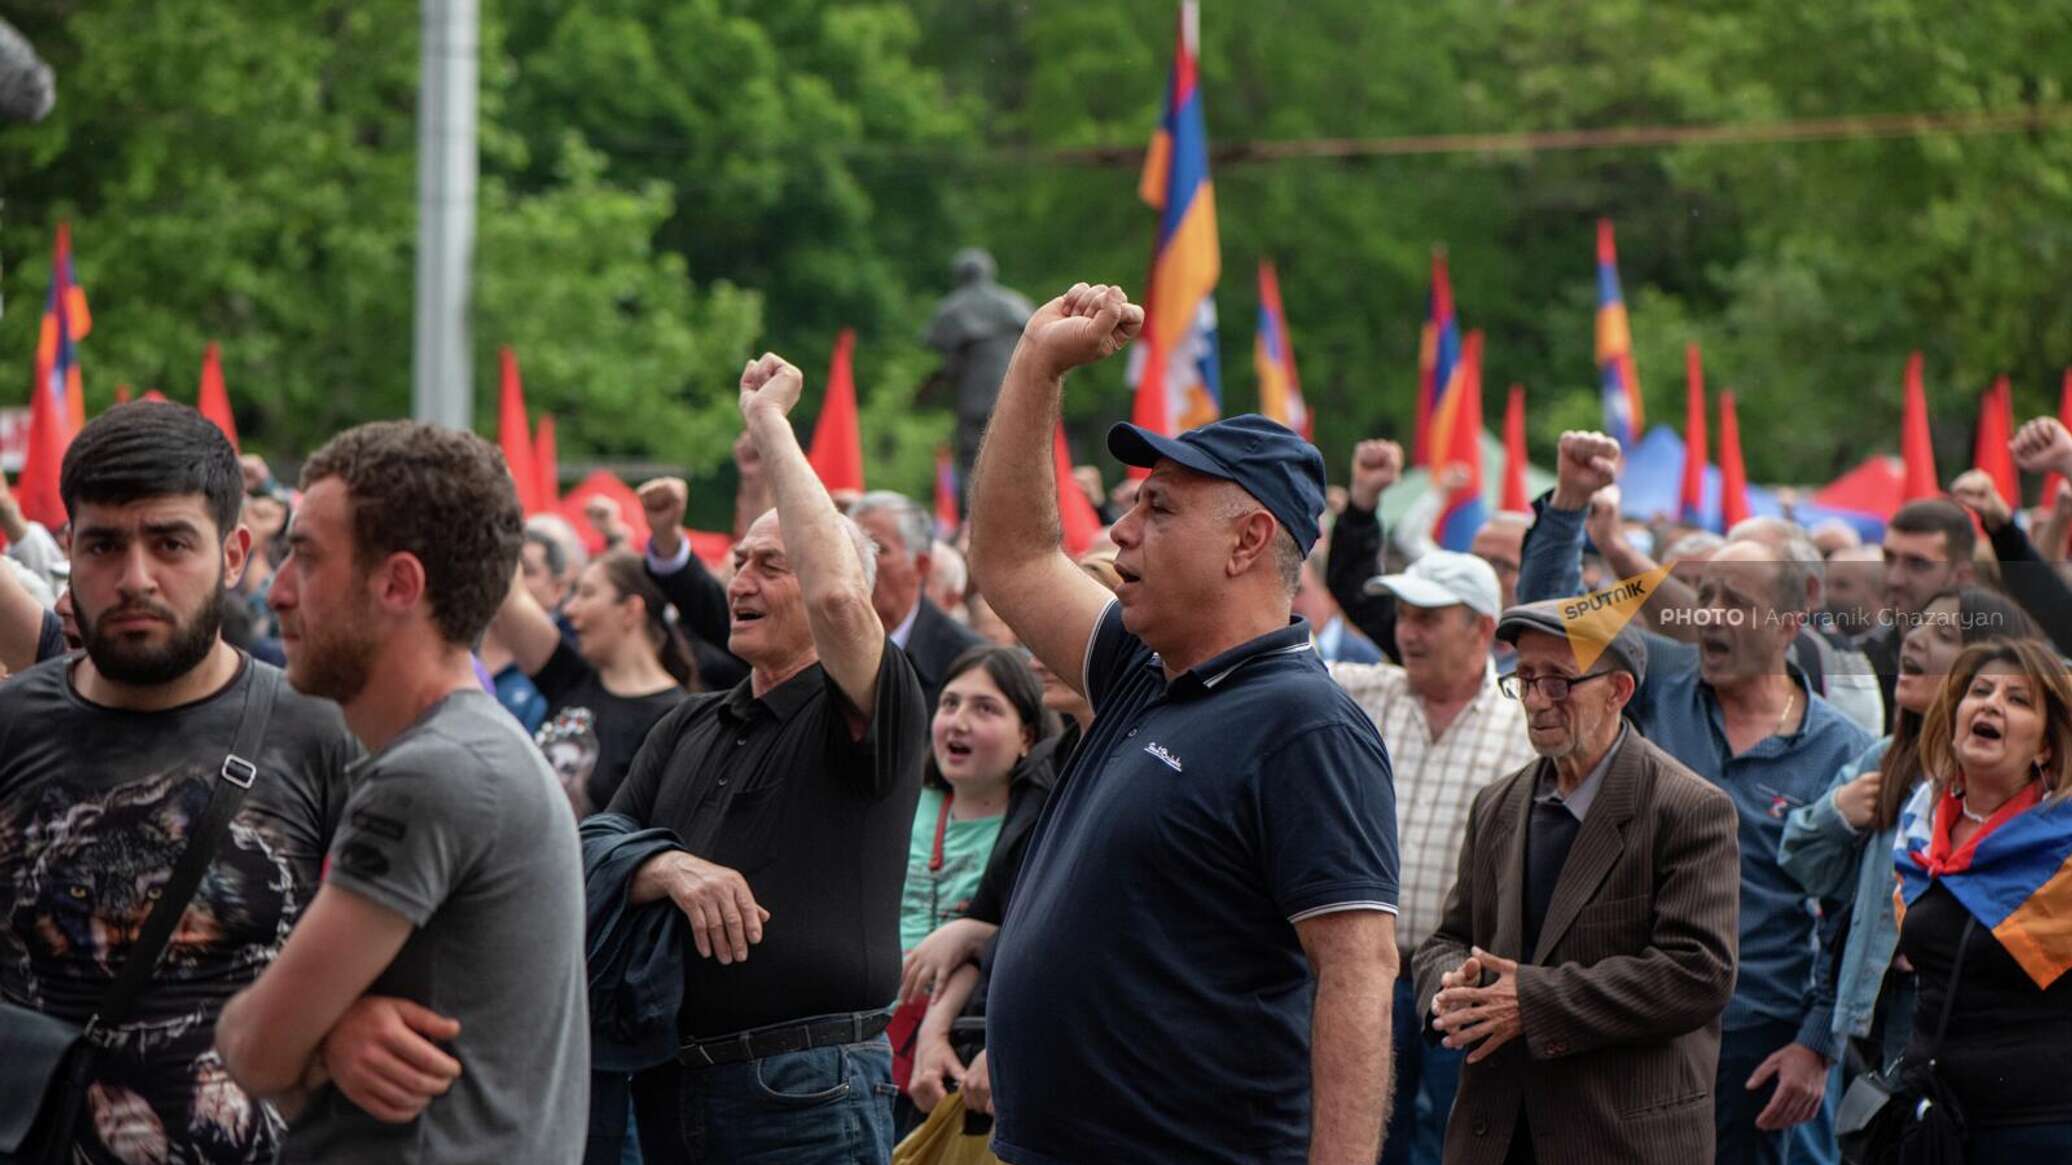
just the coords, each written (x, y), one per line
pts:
(1984, 856)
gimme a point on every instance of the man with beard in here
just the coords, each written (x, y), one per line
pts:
(455, 882)
(107, 764)
(1735, 710)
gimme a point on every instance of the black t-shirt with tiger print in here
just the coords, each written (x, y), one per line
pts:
(95, 806)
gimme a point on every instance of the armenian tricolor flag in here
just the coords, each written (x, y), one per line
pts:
(65, 322)
(1457, 439)
(1273, 358)
(1438, 351)
(57, 397)
(1174, 367)
(1622, 413)
(2014, 874)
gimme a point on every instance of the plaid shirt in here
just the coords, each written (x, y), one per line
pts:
(1436, 780)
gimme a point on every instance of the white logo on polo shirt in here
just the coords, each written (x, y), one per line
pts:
(1168, 759)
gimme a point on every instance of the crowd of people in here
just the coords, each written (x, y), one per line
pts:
(366, 820)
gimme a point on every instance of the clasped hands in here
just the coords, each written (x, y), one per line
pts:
(1470, 1013)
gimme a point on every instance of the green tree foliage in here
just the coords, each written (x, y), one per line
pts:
(671, 185)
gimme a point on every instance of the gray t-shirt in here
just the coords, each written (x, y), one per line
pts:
(458, 825)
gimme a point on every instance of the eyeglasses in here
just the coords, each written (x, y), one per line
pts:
(1555, 688)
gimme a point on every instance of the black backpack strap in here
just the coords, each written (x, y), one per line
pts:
(234, 779)
(1942, 1024)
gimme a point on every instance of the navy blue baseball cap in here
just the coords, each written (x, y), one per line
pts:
(1266, 459)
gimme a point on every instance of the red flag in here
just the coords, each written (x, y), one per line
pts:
(546, 465)
(1733, 476)
(1916, 447)
(837, 453)
(1695, 452)
(514, 433)
(36, 488)
(947, 514)
(214, 401)
(2051, 481)
(1514, 453)
(1081, 524)
(1989, 450)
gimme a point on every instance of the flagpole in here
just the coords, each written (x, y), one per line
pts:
(441, 384)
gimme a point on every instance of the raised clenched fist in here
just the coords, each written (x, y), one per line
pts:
(770, 384)
(663, 501)
(1086, 324)
(1587, 462)
(1376, 466)
(2043, 446)
(1975, 490)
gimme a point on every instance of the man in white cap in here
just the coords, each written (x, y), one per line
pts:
(1450, 732)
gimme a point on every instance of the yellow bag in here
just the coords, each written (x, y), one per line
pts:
(941, 1141)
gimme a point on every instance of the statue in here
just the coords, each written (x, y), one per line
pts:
(975, 328)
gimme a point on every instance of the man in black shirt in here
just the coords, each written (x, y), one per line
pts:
(905, 541)
(107, 764)
(793, 796)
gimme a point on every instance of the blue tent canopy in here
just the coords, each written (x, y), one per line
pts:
(1652, 484)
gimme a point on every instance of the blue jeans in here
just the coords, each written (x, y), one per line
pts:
(1424, 1078)
(824, 1106)
(611, 1140)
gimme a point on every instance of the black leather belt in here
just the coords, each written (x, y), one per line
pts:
(759, 1043)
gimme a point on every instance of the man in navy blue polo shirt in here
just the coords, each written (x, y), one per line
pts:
(1198, 958)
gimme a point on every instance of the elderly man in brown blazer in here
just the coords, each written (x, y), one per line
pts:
(1588, 945)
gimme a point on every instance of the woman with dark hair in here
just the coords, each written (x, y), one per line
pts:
(987, 720)
(627, 668)
(1981, 853)
(1840, 847)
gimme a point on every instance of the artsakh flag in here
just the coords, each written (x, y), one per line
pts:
(1273, 359)
(1173, 365)
(1692, 503)
(1457, 439)
(948, 514)
(1915, 443)
(2014, 874)
(2052, 480)
(1438, 350)
(57, 401)
(213, 401)
(1514, 497)
(546, 464)
(1080, 521)
(837, 452)
(514, 432)
(1733, 473)
(1623, 418)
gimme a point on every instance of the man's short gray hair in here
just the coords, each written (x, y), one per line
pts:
(1696, 542)
(1801, 571)
(915, 528)
(1287, 553)
(947, 570)
(554, 529)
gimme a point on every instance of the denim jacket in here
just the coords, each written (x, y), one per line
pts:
(1832, 859)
